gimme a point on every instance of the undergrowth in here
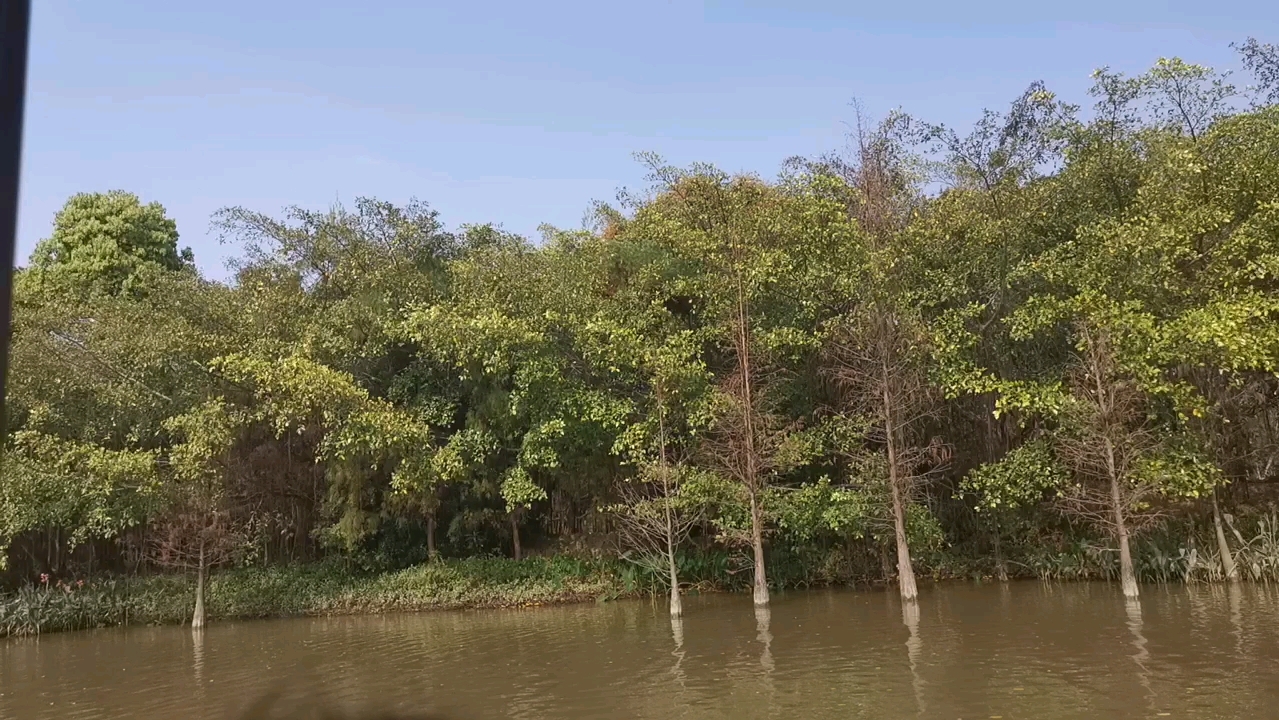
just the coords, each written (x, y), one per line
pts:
(1175, 552)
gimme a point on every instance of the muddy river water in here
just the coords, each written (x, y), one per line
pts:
(1021, 650)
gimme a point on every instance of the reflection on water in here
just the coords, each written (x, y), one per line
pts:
(1024, 650)
(677, 632)
(1235, 594)
(197, 662)
(1132, 607)
(763, 616)
(914, 646)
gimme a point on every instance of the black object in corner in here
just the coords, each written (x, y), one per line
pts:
(15, 25)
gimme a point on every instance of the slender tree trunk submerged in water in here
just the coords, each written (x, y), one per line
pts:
(515, 536)
(197, 618)
(1223, 547)
(1110, 432)
(752, 458)
(905, 572)
(1001, 568)
(1127, 575)
(896, 482)
(677, 607)
(757, 540)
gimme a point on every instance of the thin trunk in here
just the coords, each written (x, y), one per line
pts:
(885, 563)
(1223, 547)
(430, 537)
(1001, 569)
(197, 618)
(515, 535)
(677, 607)
(905, 572)
(757, 540)
(748, 419)
(1127, 577)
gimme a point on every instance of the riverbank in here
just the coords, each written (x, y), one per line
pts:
(337, 588)
(308, 591)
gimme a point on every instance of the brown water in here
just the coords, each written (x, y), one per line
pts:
(1025, 650)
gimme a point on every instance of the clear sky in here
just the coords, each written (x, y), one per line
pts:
(521, 113)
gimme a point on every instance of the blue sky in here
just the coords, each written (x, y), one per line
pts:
(522, 113)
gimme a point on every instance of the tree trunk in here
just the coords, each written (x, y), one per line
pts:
(1227, 559)
(515, 536)
(430, 538)
(752, 468)
(905, 572)
(757, 541)
(1105, 405)
(197, 618)
(1001, 569)
(1127, 576)
(677, 607)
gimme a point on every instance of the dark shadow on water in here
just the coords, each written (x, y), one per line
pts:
(269, 707)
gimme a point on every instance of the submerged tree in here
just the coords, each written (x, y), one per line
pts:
(653, 520)
(731, 226)
(1106, 433)
(195, 529)
(878, 349)
(881, 380)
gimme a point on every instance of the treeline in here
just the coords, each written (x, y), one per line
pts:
(1024, 348)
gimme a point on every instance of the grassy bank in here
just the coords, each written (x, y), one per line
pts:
(1175, 552)
(307, 590)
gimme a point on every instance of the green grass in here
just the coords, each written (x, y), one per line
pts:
(325, 589)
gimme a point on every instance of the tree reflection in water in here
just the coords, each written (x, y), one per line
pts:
(914, 648)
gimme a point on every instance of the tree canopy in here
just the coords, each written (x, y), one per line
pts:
(958, 349)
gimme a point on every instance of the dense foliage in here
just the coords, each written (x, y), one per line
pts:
(1047, 345)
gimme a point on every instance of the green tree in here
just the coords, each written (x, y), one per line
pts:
(109, 242)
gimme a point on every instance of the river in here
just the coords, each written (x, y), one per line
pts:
(1021, 650)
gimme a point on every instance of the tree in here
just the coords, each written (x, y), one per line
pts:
(1105, 436)
(653, 521)
(109, 242)
(195, 529)
(741, 234)
(878, 349)
(95, 376)
(654, 517)
(80, 488)
(533, 397)
(1117, 287)
(1020, 480)
(1084, 305)
(1262, 60)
